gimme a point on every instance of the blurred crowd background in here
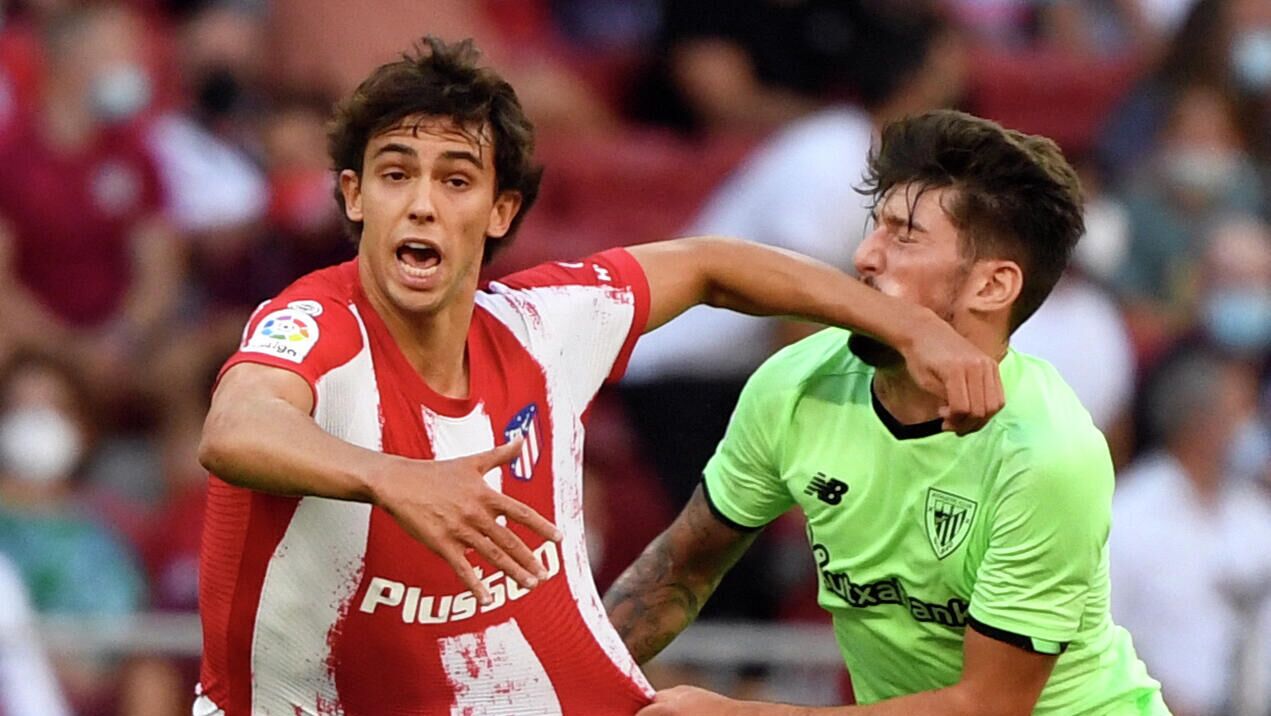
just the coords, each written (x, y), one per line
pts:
(163, 170)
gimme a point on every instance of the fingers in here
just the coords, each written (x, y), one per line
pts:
(501, 558)
(501, 455)
(522, 513)
(959, 403)
(454, 556)
(994, 394)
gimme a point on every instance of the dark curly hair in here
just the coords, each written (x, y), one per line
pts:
(1015, 196)
(439, 79)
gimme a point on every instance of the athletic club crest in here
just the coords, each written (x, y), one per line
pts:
(948, 520)
(525, 425)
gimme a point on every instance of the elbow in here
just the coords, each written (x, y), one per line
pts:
(214, 445)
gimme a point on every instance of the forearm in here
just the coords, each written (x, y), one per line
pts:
(661, 593)
(756, 279)
(941, 702)
(650, 604)
(157, 268)
(267, 444)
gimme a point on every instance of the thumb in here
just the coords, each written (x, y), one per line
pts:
(500, 455)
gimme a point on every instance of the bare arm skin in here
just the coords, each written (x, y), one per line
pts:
(663, 590)
(259, 434)
(998, 679)
(760, 280)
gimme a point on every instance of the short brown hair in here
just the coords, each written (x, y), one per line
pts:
(438, 79)
(1016, 197)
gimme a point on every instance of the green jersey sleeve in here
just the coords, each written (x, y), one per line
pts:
(742, 480)
(1049, 526)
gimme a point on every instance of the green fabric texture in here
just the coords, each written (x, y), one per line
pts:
(915, 534)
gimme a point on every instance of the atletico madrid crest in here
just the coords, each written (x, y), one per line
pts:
(525, 425)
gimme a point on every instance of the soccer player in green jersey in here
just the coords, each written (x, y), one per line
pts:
(965, 574)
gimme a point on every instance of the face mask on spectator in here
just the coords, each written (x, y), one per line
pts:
(1204, 171)
(39, 445)
(1240, 319)
(1251, 59)
(219, 92)
(119, 93)
(1249, 456)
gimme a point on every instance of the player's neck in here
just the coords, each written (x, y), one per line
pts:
(435, 344)
(902, 397)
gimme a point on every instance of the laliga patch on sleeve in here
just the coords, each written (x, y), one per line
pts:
(287, 334)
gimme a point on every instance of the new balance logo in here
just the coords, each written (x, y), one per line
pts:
(827, 489)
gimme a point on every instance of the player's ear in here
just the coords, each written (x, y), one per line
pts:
(351, 188)
(997, 284)
(504, 210)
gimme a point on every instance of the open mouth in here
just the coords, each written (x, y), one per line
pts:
(418, 259)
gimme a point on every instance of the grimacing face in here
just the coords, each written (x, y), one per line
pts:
(427, 202)
(912, 252)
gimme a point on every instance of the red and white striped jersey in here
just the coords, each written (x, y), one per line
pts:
(320, 606)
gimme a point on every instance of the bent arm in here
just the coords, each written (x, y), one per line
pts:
(761, 280)
(662, 592)
(756, 279)
(998, 679)
(259, 434)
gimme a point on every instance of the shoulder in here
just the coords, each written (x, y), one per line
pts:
(314, 315)
(793, 370)
(1046, 433)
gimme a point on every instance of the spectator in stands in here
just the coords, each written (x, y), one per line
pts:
(552, 93)
(1188, 539)
(1223, 44)
(27, 683)
(71, 564)
(1201, 172)
(754, 65)
(1234, 304)
(88, 266)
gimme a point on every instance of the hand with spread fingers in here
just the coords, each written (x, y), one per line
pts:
(447, 506)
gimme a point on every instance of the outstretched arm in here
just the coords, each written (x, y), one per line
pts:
(761, 280)
(663, 590)
(258, 434)
(998, 679)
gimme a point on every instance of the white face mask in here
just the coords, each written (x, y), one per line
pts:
(119, 93)
(39, 445)
(1251, 59)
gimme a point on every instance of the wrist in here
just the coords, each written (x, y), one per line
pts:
(912, 324)
(373, 479)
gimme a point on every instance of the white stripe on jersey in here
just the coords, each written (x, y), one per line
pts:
(315, 570)
(495, 672)
(459, 437)
(570, 385)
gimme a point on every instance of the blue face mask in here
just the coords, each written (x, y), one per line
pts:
(1240, 319)
(1251, 59)
(1249, 456)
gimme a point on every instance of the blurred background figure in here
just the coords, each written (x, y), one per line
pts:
(1192, 537)
(71, 563)
(89, 265)
(27, 683)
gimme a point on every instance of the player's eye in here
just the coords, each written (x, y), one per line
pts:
(458, 182)
(395, 175)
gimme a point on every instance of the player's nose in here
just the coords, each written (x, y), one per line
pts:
(422, 207)
(868, 259)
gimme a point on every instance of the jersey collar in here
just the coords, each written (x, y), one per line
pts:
(899, 430)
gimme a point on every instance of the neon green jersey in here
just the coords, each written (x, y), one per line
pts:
(918, 533)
